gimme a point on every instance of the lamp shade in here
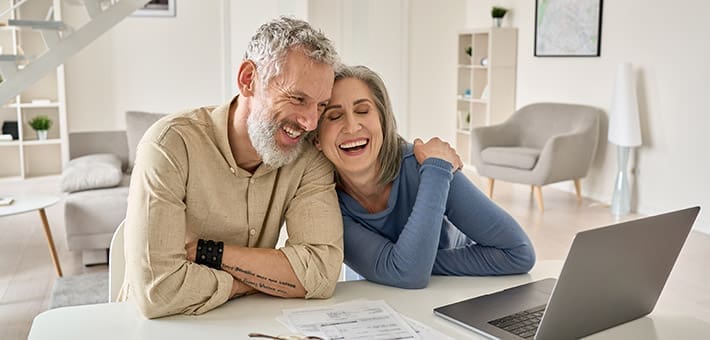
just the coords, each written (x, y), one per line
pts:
(624, 126)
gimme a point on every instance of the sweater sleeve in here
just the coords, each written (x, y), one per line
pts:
(499, 247)
(408, 262)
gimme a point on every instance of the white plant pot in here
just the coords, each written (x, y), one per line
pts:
(42, 134)
(497, 22)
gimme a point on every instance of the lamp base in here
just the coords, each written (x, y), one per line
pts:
(621, 199)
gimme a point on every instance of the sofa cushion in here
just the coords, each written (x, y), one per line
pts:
(92, 172)
(514, 157)
(137, 123)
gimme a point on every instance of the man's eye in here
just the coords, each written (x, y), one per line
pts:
(297, 100)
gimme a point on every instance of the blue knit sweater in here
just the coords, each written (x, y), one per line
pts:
(435, 222)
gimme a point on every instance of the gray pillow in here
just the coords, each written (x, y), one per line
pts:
(92, 172)
(137, 123)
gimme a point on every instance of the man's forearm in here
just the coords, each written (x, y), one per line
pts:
(266, 270)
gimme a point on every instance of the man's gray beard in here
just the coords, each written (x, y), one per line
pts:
(262, 133)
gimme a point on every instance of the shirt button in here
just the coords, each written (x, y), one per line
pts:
(232, 170)
(252, 181)
(252, 232)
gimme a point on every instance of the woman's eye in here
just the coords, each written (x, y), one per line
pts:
(362, 112)
(334, 116)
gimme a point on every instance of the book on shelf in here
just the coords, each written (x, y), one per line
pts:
(6, 200)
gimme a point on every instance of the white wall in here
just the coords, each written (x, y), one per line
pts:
(432, 67)
(669, 51)
(146, 63)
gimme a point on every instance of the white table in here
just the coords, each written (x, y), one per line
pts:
(26, 203)
(257, 313)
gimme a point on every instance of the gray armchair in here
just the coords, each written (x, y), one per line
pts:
(539, 144)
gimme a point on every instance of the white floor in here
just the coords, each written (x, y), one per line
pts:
(27, 274)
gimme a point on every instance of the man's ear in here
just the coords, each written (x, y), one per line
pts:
(246, 78)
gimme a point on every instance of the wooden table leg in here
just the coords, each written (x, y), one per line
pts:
(50, 242)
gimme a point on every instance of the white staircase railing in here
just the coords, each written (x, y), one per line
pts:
(62, 41)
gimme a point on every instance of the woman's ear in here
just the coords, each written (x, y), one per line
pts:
(246, 77)
(316, 142)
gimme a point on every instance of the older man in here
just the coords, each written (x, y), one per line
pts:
(211, 187)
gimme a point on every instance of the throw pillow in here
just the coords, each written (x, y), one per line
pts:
(137, 123)
(92, 172)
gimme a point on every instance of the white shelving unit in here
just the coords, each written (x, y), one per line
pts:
(27, 156)
(486, 81)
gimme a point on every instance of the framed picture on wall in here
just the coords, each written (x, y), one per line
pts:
(157, 8)
(568, 28)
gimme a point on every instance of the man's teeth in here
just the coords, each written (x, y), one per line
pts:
(291, 132)
(353, 144)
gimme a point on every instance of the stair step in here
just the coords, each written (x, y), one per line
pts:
(40, 24)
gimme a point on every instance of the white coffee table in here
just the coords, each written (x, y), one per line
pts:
(25, 203)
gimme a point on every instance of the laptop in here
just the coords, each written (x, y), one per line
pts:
(612, 275)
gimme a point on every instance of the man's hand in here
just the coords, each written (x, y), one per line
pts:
(437, 148)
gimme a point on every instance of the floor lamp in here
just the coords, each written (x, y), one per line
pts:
(625, 133)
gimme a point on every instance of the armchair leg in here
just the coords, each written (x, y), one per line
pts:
(578, 188)
(491, 181)
(538, 196)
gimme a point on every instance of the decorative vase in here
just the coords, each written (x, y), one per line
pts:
(42, 134)
(497, 22)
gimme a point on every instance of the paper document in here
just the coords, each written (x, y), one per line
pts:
(358, 319)
(351, 320)
(6, 200)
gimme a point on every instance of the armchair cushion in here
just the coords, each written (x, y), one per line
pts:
(92, 172)
(514, 157)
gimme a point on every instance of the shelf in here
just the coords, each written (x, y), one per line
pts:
(471, 66)
(42, 142)
(10, 143)
(463, 132)
(472, 100)
(32, 105)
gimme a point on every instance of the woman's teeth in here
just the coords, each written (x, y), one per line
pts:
(353, 144)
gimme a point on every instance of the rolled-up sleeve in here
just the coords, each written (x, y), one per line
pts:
(315, 228)
(159, 278)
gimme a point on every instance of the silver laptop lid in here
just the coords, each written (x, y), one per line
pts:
(614, 274)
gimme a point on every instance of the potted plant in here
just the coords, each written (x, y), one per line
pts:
(41, 124)
(497, 13)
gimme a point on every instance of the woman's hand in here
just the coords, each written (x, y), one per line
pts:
(437, 148)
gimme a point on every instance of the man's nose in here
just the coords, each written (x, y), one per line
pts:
(308, 118)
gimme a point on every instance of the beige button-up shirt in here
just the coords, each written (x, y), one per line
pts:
(186, 185)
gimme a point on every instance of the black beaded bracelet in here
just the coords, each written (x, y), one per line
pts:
(209, 253)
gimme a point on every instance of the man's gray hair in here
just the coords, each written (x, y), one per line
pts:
(273, 40)
(390, 156)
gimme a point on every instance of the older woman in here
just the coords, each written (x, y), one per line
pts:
(407, 212)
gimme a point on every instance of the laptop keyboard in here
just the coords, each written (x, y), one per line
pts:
(523, 324)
